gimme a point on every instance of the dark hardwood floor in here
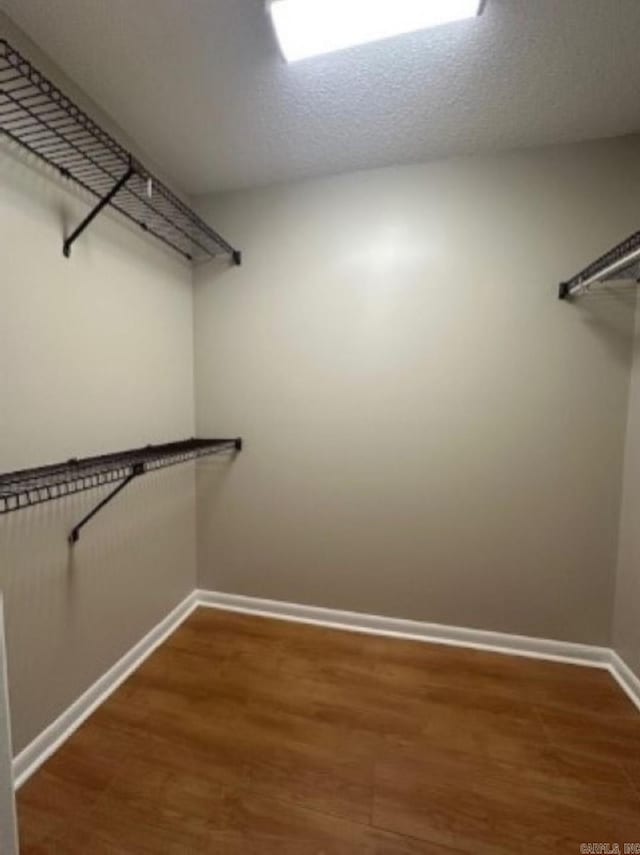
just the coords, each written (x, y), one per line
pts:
(247, 735)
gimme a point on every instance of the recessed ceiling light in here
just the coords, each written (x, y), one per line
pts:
(311, 27)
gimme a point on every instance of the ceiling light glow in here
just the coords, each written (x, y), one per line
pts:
(311, 27)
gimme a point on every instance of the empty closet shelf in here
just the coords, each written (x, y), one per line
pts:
(28, 487)
(621, 262)
(39, 118)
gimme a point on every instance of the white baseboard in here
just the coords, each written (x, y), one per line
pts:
(625, 677)
(434, 633)
(44, 745)
(26, 763)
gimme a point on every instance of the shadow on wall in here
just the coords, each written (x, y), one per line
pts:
(133, 563)
(41, 177)
(601, 310)
(211, 476)
(69, 203)
(217, 266)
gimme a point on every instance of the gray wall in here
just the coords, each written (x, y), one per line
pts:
(626, 622)
(96, 355)
(430, 433)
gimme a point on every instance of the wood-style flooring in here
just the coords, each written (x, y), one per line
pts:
(247, 735)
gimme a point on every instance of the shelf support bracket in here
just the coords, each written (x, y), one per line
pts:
(138, 469)
(66, 247)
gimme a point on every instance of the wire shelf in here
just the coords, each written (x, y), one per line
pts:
(621, 262)
(35, 114)
(28, 487)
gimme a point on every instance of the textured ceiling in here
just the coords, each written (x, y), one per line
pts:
(200, 85)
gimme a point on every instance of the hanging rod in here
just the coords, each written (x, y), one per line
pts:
(621, 262)
(28, 487)
(37, 116)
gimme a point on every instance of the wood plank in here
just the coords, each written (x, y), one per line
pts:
(614, 738)
(456, 800)
(249, 735)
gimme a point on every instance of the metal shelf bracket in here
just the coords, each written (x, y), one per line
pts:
(28, 487)
(68, 243)
(43, 121)
(138, 469)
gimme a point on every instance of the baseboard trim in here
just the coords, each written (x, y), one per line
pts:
(628, 681)
(434, 633)
(572, 653)
(44, 745)
(47, 742)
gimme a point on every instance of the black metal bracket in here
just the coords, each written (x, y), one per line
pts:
(138, 469)
(236, 257)
(28, 487)
(41, 119)
(563, 291)
(66, 247)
